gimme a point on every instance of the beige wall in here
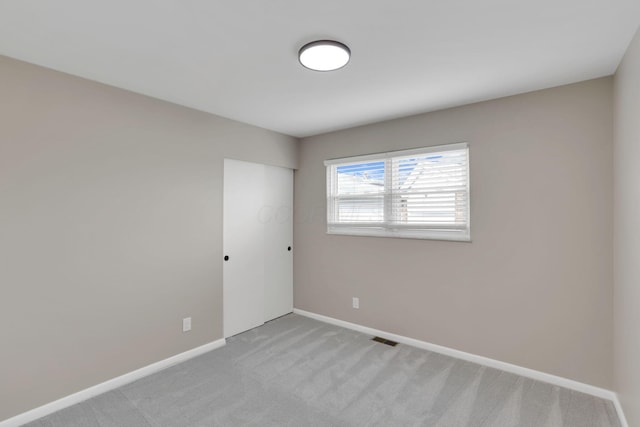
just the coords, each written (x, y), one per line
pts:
(627, 232)
(110, 229)
(534, 286)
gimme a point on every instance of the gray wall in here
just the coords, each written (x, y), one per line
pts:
(110, 229)
(627, 232)
(534, 286)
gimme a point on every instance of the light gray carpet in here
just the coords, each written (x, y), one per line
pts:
(295, 371)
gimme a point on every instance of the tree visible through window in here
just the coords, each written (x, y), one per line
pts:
(422, 193)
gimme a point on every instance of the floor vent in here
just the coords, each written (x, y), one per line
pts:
(384, 341)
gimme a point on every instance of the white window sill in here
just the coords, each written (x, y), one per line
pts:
(453, 236)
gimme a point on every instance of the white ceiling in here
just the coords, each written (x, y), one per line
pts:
(238, 59)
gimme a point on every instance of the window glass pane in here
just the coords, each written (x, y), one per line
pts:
(361, 209)
(430, 189)
(361, 178)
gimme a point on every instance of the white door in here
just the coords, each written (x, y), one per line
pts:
(243, 243)
(257, 242)
(278, 242)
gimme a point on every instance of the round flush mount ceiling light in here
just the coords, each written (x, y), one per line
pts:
(324, 55)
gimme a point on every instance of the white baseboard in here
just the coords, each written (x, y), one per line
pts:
(481, 360)
(108, 385)
(618, 405)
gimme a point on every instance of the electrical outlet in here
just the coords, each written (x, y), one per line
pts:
(186, 324)
(356, 302)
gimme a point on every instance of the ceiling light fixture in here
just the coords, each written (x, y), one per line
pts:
(324, 55)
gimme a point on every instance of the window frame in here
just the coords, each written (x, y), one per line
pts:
(385, 228)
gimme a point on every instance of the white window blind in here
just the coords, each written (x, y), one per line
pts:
(421, 193)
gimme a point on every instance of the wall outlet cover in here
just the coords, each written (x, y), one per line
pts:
(186, 324)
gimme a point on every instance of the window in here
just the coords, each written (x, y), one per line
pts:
(421, 193)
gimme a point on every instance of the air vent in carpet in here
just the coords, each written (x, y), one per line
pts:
(384, 341)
